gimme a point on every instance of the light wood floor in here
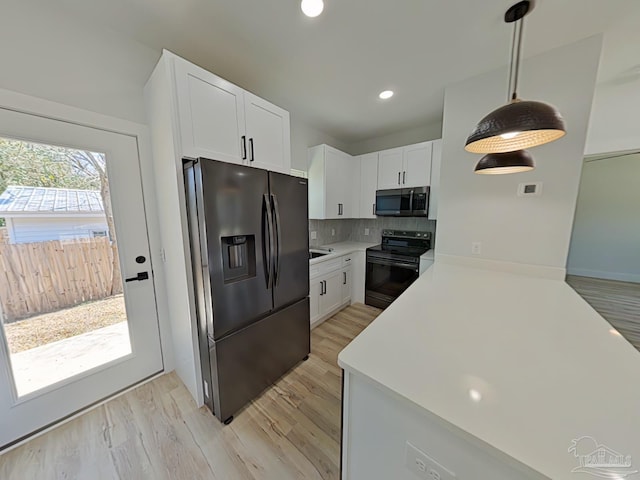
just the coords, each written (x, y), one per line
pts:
(156, 432)
(617, 302)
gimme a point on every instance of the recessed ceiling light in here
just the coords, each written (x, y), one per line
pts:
(475, 395)
(387, 94)
(312, 8)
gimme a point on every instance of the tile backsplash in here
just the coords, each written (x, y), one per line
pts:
(332, 231)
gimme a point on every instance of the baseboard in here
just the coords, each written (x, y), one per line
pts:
(621, 277)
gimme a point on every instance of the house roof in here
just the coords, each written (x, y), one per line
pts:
(41, 200)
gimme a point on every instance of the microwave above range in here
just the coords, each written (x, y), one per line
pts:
(403, 202)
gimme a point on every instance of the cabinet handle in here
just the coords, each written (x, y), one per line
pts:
(340, 209)
(324, 282)
(404, 178)
(244, 147)
(252, 149)
(398, 178)
(345, 278)
(322, 288)
(373, 212)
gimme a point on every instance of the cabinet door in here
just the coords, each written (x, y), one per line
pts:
(211, 114)
(346, 285)
(436, 161)
(390, 169)
(332, 299)
(315, 294)
(368, 185)
(268, 135)
(336, 183)
(417, 165)
(351, 187)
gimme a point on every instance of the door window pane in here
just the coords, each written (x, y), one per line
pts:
(61, 296)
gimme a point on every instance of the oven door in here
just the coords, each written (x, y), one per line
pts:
(392, 203)
(387, 277)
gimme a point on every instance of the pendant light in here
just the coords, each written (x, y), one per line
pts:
(521, 123)
(503, 163)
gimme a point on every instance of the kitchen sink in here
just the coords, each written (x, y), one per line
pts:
(317, 254)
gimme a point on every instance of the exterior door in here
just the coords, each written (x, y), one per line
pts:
(89, 334)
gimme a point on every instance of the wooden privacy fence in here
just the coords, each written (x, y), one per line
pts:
(47, 276)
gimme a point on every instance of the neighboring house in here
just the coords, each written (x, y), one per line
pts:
(37, 214)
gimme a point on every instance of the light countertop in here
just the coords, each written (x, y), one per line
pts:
(547, 367)
(341, 248)
(428, 255)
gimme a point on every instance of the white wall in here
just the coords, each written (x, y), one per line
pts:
(42, 229)
(423, 133)
(606, 234)
(50, 54)
(534, 230)
(304, 136)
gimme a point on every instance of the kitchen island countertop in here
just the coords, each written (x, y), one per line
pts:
(521, 363)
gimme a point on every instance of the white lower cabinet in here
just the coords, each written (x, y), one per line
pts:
(330, 287)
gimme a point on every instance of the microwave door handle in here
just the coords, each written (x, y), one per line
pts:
(411, 201)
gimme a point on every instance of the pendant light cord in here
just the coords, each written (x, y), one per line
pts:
(519, 25)
(513, 51)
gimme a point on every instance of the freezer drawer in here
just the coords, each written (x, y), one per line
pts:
(250, 360)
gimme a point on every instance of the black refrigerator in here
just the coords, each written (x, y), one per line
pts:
(250, 254)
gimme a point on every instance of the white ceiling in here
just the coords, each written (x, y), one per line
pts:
(329, 70)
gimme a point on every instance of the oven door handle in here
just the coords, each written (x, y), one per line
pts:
(393, 263)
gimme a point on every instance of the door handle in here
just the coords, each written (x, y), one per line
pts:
(398, 178)
(404, 178)
(270, 252)
(252, 150)
(277, 238)
(345, 278)
(139, 277)
(244, 147)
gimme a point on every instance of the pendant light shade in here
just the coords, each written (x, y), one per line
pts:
(516, 126)
(506, 132)
(503, 163)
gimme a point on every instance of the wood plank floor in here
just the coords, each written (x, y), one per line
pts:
(156, 432)
(617, 302)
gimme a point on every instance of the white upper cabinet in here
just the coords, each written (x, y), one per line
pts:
(332, 180)
(220, 120)
(390, 168)
(436, 161)
(368, 165)
(405, 167)
(417, 165)
(267, 135)
(211, 113)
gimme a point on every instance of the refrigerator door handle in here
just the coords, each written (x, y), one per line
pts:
(278, 239)
(269, 253)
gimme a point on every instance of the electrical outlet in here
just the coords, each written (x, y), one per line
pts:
(366, 232)
(314, 235)
(476, 248)
(333, 232)
(426, 467)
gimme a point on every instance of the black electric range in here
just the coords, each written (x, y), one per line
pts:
(394, 265)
